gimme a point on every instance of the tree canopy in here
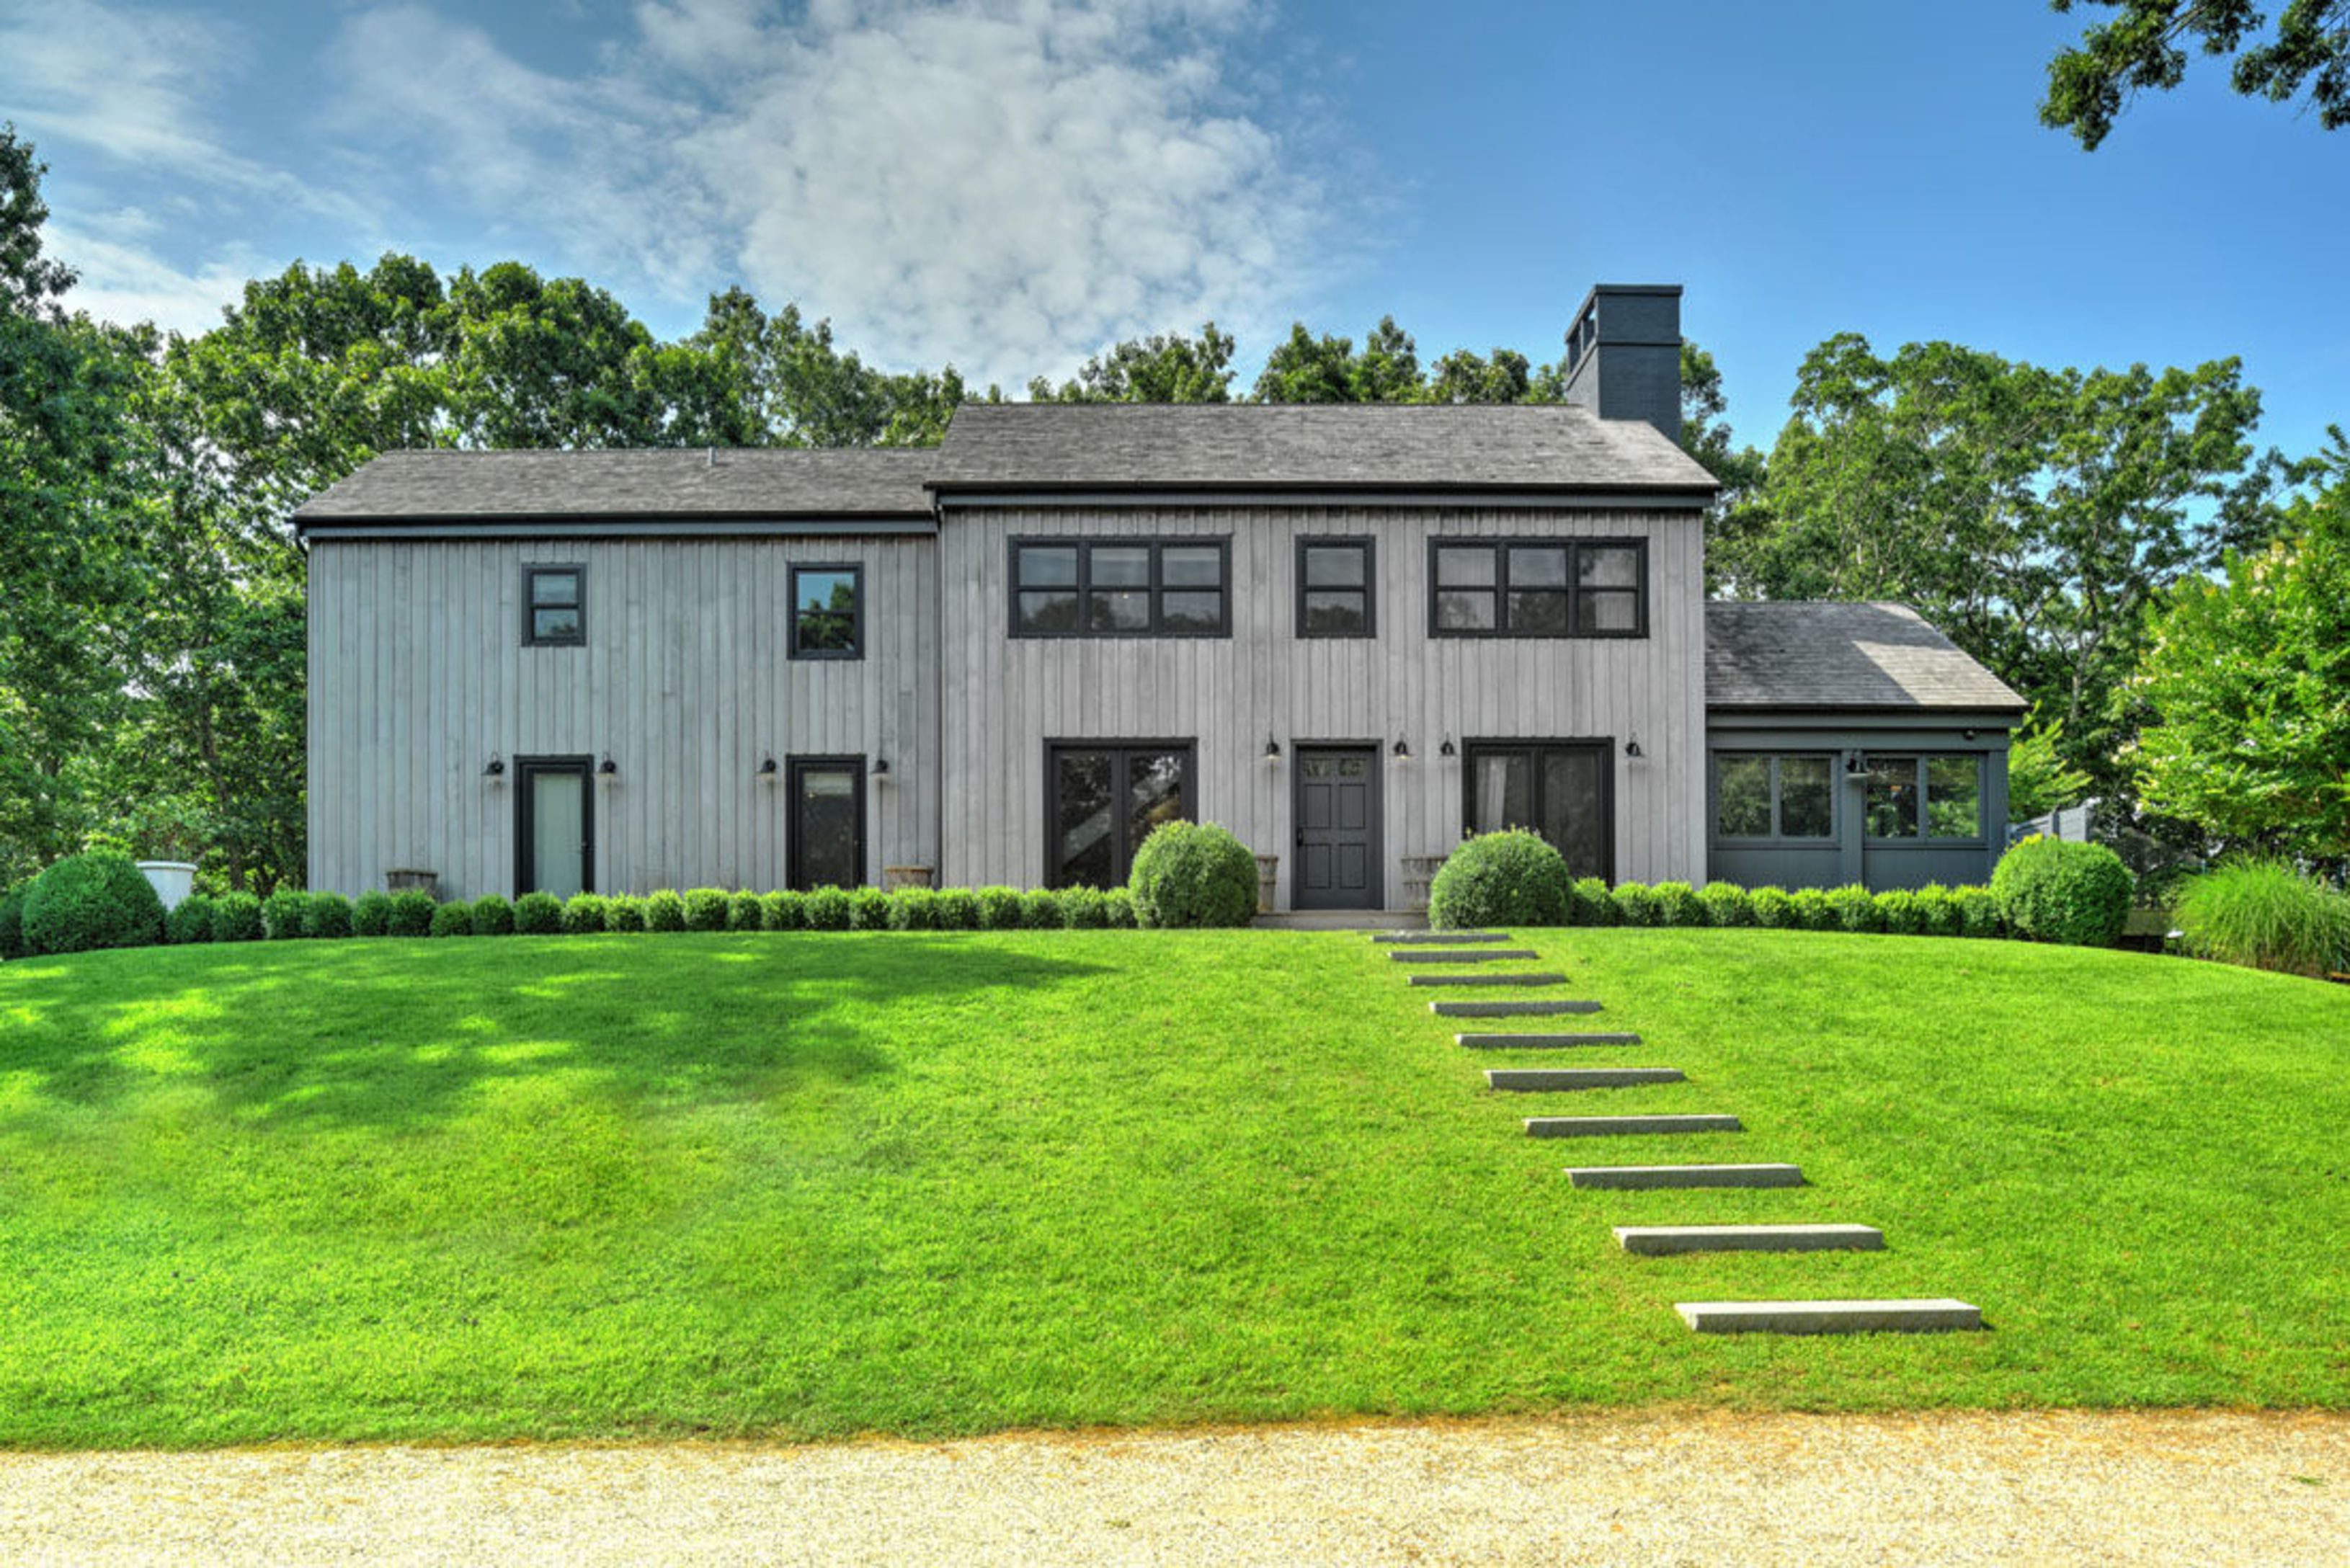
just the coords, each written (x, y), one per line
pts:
(2145, 47)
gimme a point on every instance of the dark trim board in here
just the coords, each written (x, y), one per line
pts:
(1121, 855)
(1604, 744)
(524, 770)
(854, 572)
(1370, 544)
(1502, 545)
(794, 768)
(531, 573)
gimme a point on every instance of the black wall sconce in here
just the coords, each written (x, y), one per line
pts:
(1448, 749)
(768, 769)
(1272, 747)
(1856, 765)
(881, 767)
(497, 767)
(1632, 747)
(1402, 749)
(608, 768)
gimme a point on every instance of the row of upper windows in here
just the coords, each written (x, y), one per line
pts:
(1183, 588)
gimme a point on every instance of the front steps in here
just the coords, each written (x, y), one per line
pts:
(1560, 1080)
(1509, 1008)
(1626, 1127)
(1649, 1177)
(1657, 1240)
(1541, 1042)
(1934, 1314)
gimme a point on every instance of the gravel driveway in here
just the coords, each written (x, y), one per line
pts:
(1640, 1488)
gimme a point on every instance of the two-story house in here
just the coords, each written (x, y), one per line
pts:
(1350, 634)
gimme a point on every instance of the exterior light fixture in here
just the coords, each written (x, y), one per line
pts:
(1857, 765)
(881, 767)
(1272, 747)
(1632, 747)
(1402, 749)
(608, 768)
(497, 767)
(1448, 749)
(767, 768)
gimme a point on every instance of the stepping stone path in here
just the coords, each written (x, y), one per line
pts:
(1932, 1314)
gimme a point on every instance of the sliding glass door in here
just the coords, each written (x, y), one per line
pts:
(1563, 790)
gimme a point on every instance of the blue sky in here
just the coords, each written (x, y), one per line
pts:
(1009, 185)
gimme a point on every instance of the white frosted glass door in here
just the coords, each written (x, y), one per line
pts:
(558, 831)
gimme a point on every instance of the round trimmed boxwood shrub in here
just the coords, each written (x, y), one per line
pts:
(101, 899)
(1088, 909)
(999, 909)
(868, 909)
(1193, 874)
(782, 912)
(1898, 913)
(624, 912)
(1937, 912)
(328, 918)
(743, 912)
(1117, 910)
(493, 916)
(236, 917)
(664, 911)
(1040, 909)
(1588, 902)
(705, 909)
(1854, 908)
(1508, 878)
(283, 914)
(1773, 909)
(1676, 905)
(190, 920)
(411, 914)
(1725, 905)
(2054, 890)
(370, 914)
(957, 909)
(450, 919)
(829, 910)
(585, 914)
(538, 914)
(1812, 910)
(1978, 912)
(913, 909)
(1635, 904)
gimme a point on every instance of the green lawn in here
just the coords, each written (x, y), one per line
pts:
(816, 1185)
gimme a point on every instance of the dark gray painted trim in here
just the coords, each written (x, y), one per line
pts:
(1604, 744)
(1774, 839)
(1862, 714)
(1085, 544)
(1123, 852)
(1502, 545)
(1377, 752)
(1370, 544)
(530, 576)
(597, 528)
(525, 873)
(856, 648)
(794, 767)
(1419, 496)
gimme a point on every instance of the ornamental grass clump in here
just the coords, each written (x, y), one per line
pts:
(1509, 878)
(2265, 913)
(1191, 874)
(83, 902)
(2055, 890)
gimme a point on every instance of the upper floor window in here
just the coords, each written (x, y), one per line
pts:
(1930, 797)
(1121, 587)
(1538, 587)
(1761, 797)
(828, 612)
(1334, 587)
(555, 612)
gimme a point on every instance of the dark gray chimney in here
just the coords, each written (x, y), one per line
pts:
(1623, 354)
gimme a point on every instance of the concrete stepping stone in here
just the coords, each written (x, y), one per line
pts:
(1518, 978)
(1547, 1080)
(1929, 1314)
(1467, 955)
(1509, 1008)
(1655, 1240)
(1648, 1177)
(1439, 938)
(1613, 1126)
(1541, 1042)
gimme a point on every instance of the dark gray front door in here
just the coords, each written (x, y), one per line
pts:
(1337, 815)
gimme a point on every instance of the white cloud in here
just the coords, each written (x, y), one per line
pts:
(123, 280)
(1007, 184)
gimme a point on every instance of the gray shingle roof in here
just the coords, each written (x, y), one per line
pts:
(756, 482)
(1817, 655)
(1079, 446)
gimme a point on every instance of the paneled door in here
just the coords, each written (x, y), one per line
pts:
(1337, 840)
(556, 830)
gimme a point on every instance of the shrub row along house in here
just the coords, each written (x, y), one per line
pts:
(1350, 634)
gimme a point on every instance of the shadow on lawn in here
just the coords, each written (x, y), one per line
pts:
(386, 1031)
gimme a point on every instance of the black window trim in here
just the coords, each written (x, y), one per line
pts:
(1925, 837)
(1500, 545)
(1604, 744)
(856, 648)
(526, 877)
(1369, 546)
(531, 573)
(1083, 544)
(798, 764)
(1774, 838)
(1123, 861)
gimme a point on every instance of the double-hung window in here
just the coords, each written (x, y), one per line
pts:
(1121, 587)
(555, 606)
(1930, 796)
(1337, 592)
(1761, 797)
(1538, 587)
(828, 612)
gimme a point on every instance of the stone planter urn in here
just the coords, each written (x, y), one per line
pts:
(896, 876)
(171, 879)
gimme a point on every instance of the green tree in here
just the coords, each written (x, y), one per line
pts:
(1738, 516)
(1168, 368)
(2247, 687)
(2145, 47)
(2039, 780)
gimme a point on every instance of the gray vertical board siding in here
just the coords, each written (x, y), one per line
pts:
(419, 674)
(1006, 697)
